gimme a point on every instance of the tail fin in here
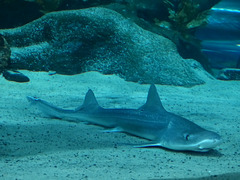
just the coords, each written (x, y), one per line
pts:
(31, 99)
(90, 104)
(47, 108)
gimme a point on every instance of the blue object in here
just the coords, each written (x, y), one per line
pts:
(221, 37)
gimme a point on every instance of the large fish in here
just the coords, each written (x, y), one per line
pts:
(151, 121)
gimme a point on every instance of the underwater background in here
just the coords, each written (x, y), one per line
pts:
(58, 49)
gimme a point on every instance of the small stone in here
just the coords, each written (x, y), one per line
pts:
(229, 74)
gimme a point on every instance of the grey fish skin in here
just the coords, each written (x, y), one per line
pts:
(151, 121)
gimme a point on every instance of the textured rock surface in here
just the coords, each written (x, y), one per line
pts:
(5, 54)
(99, 39)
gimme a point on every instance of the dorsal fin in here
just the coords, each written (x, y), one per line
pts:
(90, 101)
(153, 101)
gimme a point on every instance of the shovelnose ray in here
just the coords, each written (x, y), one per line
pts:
(151, 121)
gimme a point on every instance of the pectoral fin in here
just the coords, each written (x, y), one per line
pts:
(157, 144)
(116, 129)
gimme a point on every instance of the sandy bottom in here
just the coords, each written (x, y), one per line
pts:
(32, 145)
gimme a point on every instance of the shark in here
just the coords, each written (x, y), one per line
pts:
(151, 121)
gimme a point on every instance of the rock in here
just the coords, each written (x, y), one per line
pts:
(100, 39)
(229, 74)
(5, 53)
(15, 76)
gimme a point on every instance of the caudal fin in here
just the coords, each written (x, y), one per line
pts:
(47, 108)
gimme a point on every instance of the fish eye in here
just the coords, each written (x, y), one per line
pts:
(186, 136)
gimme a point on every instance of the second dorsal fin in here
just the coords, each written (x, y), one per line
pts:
(153, 101)
(90, 103)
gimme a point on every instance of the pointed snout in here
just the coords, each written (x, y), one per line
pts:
(210, 141)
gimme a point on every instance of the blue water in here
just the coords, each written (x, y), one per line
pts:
(221, 36)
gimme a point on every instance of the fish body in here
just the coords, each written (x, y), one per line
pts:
(151, 121)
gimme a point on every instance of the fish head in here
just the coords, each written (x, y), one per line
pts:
(200, 141)
(184, 135)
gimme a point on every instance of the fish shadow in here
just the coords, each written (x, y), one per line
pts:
(210, 153)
